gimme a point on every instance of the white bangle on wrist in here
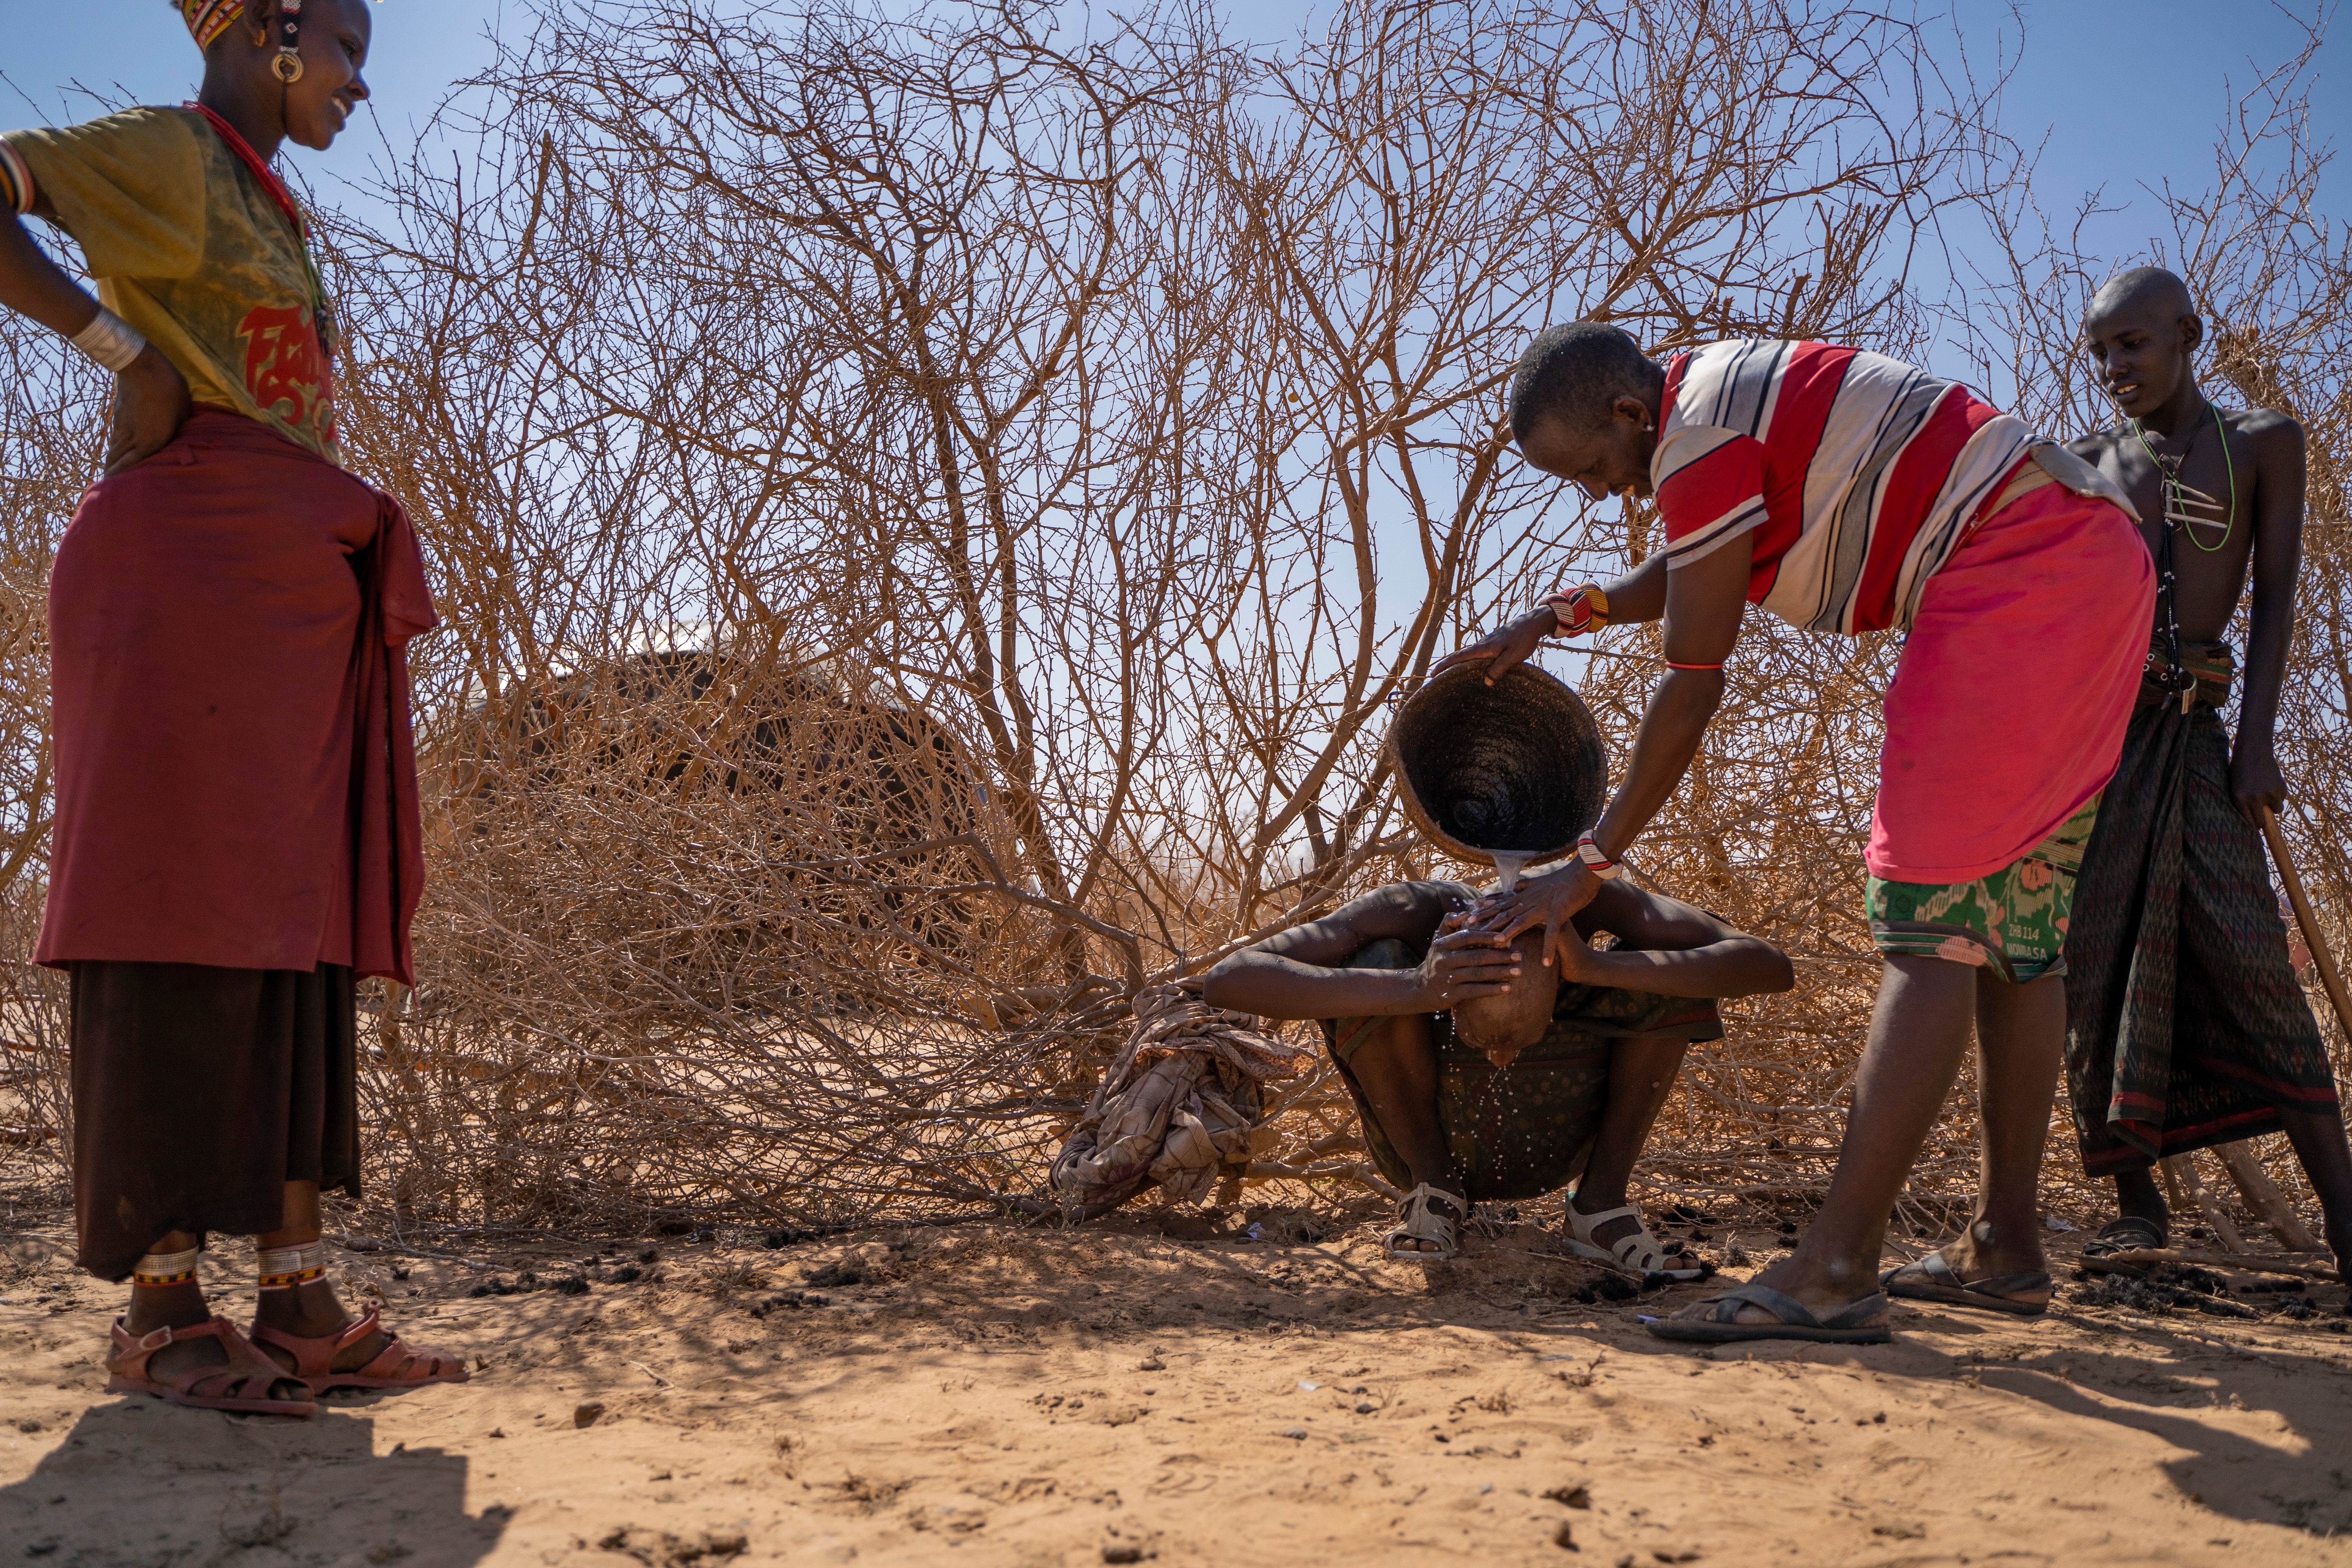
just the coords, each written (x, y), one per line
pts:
(1596, 860)
(111, 341)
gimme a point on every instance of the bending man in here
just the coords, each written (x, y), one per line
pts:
(1575, 1103)
(1849, 493)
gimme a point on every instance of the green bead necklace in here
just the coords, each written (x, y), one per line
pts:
(2178, 498)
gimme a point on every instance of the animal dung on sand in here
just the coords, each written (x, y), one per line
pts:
(1513, 771)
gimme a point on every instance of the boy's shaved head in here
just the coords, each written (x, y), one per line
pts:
(2147, 289)
(2142, 332)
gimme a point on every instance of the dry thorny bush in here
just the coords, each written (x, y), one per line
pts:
(930, 515)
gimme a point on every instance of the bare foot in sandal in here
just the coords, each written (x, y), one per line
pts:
(306, 1330)
(1978, 1270)
(168, 1343)
(1429, 1224)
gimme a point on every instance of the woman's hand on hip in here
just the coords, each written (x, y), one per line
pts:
(150, 403)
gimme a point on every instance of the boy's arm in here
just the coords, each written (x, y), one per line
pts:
(1298, 973)
(1670, 949)
(2255, 776)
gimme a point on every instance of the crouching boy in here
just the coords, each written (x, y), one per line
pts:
(1579, 1092)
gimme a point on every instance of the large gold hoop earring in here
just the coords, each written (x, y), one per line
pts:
(288, 63)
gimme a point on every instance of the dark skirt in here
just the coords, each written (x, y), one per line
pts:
(2186, 1025)
(199, 1093)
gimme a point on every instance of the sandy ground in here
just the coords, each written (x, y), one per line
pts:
(1166, 1391)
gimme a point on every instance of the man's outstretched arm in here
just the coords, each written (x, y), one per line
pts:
(1706, 600)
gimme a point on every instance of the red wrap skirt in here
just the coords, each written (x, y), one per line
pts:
(237, 832)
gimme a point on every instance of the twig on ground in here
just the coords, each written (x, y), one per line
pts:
(2249, 1262)
(351, 1243)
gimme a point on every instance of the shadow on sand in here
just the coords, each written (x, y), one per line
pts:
(138, 1480)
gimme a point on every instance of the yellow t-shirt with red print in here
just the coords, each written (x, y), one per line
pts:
(185, 245)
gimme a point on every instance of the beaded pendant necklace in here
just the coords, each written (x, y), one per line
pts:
(2180, 498)
(2181, 503)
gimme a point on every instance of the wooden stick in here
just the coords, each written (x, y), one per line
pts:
(2183, 1166)
(2329, 975)
(2263, 1196)
(2247, 1263)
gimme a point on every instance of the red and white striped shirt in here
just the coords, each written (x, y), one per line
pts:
(1857, 474)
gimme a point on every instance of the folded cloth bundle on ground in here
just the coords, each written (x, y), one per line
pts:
(1182, 1098)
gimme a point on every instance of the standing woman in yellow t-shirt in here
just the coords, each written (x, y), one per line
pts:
(236, 839)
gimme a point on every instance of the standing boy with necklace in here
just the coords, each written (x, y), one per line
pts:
(2185, 1025)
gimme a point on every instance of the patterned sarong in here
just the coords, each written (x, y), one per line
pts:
(2186, 1027)
(2013, 922)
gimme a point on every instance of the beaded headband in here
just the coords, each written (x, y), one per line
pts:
(207, 20)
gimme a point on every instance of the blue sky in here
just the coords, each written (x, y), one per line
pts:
(2125, 95)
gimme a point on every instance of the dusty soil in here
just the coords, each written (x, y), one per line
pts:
(1165, 1391)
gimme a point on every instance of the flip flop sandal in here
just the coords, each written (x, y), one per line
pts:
(1995, 1293)
(242, 1385)
(2129, 1234)
(1848, 1325)
(1638, 1253)
(395, 1366)
(1421, 1222)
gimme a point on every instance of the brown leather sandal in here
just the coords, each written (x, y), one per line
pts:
(395, 1366)
(242, 1385)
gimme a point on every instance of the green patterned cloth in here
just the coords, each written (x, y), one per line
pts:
(2014, 921)
(1526, 1130)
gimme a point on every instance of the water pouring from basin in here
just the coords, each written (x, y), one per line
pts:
(1515, 770)
(1511, 774)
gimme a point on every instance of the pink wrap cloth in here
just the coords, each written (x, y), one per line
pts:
(236, 773)
(2008, 705)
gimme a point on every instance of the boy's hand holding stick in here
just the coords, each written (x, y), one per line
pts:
(2329, 976)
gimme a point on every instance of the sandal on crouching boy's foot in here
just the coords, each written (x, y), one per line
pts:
(398, 1365)
(1427, 1234)
(1638, 1253)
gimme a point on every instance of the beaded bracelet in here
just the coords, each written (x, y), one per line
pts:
(1578, 610)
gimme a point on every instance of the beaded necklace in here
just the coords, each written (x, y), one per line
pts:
(2178, 498)
(321, 318)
